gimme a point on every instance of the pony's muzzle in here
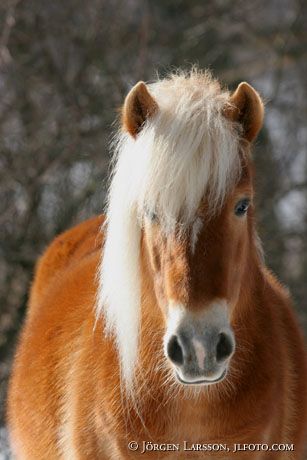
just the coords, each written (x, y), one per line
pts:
(200, 361)
(199, 348)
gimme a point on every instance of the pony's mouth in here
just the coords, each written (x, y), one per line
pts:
(202, 381)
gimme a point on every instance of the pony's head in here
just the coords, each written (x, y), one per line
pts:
(182, 183)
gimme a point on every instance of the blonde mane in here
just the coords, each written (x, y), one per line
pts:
(186, 150)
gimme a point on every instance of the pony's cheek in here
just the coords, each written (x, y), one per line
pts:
(155, 259)
(160, 294)
(236, 273)
(153, 246)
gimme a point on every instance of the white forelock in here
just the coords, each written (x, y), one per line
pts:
(186, 150)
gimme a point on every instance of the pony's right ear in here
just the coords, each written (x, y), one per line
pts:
(139, 105)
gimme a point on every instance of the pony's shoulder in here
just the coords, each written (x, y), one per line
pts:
(66, 249)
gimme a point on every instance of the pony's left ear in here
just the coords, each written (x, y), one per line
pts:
(247, 109)
(139, 105)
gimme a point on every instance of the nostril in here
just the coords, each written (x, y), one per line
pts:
(224, 347)
(174, 351)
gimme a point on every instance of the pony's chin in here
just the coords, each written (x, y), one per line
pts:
(201, 381)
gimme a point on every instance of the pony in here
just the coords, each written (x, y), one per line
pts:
(157, 331)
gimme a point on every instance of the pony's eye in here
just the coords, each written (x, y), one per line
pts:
(242, 207)
(151, 215)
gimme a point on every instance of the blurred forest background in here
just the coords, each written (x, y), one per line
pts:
(65, 67)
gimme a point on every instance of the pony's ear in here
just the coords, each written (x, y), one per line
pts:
(247, 109)
(138, 106)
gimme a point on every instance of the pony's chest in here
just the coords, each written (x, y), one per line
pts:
(197, 435)
(188, 429)
(191, 424)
